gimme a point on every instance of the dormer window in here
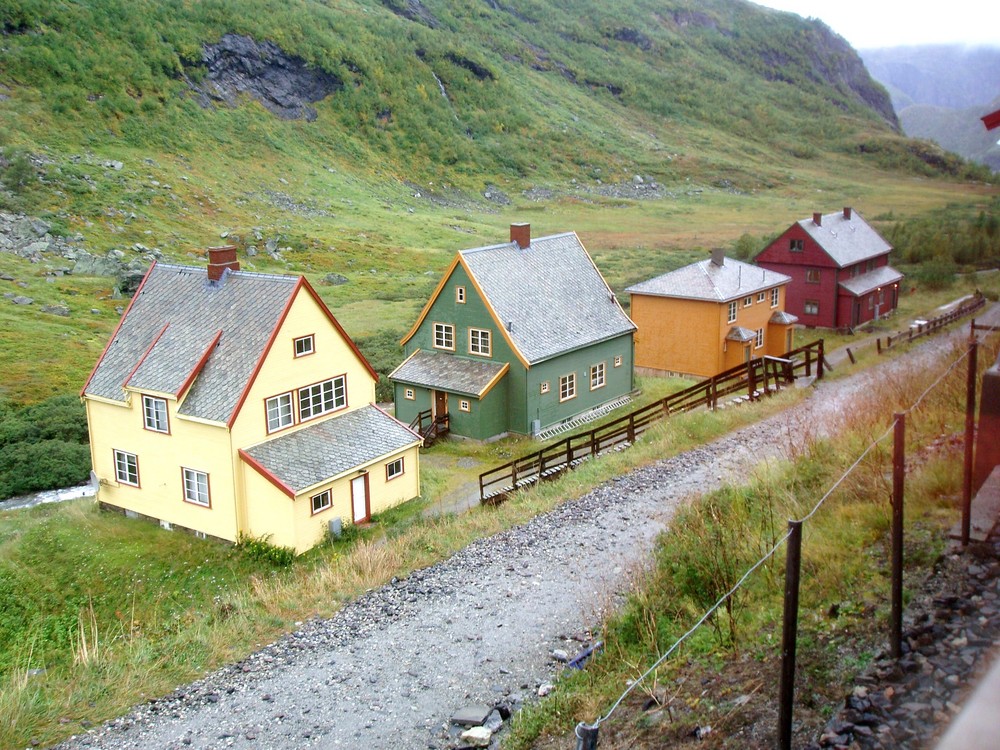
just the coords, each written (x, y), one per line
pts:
(304, 346)
(154, 414)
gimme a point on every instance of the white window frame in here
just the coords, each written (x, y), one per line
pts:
(733, 307)
(155, 415)
(480, 342)
(197, 490)
(543, 387)
(761, 296)
(775, 297)
(274, 409)
(320, 502)
(567, 387)
(460, 295)
(444, 336)
(747, 301)
(126, 468)
(618, 360)
(322, 398)
(796, 246)
(812, 276)
(807, 304)
(464, 405)
(408, 394)
(391, 470)
(598, 376)
(304, 346)
(760, 338)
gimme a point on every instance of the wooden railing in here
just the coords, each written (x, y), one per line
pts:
(430, 428)
(932, 326)
(755, 378)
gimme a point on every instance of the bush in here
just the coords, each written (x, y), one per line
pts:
(45, 465)
(261, 550)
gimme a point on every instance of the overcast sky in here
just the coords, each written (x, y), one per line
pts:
(892, 23)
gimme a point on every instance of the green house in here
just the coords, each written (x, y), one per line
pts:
(517, 337)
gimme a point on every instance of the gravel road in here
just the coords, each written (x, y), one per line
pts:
(389, 670)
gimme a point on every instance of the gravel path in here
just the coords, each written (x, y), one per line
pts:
(389, 670)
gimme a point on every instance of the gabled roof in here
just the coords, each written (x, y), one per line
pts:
(846, 241)
(201, 342)
(447, 372)
(705, 280)
(867, 282)
(546, 299)
(320, 452)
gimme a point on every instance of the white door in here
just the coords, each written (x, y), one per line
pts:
(359, 498)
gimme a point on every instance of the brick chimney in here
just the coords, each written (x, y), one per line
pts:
(521, 234)
(818, 219)
(718, 256)
(847, 212)
(221, 258)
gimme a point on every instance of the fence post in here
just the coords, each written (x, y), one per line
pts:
(878, 344)
(513, 474)
(793, 561)
(898, 475)
(586, 736)
(820, 361)
(809, 365)
(713, 394)
(850, 356)
(751, 378)
(970, 430)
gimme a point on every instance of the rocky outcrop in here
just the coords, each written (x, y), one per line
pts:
(283, 83)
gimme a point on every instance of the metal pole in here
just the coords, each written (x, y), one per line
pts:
(586, 736)
(898, 474)
(793, 564)
(970, 429)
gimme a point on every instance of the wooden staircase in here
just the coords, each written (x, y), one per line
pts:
(430, 428)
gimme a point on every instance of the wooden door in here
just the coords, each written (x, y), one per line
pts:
(360, 505)
(440, 403)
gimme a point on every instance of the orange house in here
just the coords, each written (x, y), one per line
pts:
(709, 316)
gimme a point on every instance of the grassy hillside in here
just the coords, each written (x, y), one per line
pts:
(655, 130)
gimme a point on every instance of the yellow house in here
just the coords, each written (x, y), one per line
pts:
(709, 316)
(233, 403)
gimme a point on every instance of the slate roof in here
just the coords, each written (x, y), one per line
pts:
(782, 318)
(739, 333)
(168, 332)
(846, 241)
(705, 280)
(447, 372)
(320, 452)
(867, 282)
(550, 297)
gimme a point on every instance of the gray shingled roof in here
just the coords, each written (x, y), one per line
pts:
(447, 372)
(739, 333)
(550, 296)
(319, 452)
(246, 307)
(780, 317)
(846, 241)
(867, 282)
(706, 281)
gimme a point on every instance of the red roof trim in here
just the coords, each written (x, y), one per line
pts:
(138, 291)
(248, 459)
(263, 356)
(200, 365)
(340, 330)
(145, 354)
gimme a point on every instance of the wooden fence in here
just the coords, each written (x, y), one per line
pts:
(918, 330)
(753, 379)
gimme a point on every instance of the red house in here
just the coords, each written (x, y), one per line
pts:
(839, 267)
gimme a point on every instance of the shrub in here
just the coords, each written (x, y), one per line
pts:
(48, 464)
(261, 550)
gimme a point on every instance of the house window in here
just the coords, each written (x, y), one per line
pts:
(732, 311)
(618, 360)
(279, 412)
(761, 296)
(154, 411)
(747, 301)
(304, 345)
(321, 502)
(460, 295)
(408, 394)
(127, 468)
(812, 275)
(871, 301)
(760, 337)
(196, 488)
(597, 376)
(479, 342)
(810, 307)
(871, 264)
(444, 336)
(322, 398)
(567, 387)
(854, 270)
(795, 246)
(881, 297)
(464, 405)
(394, 469)
(543, 387)
(774, 297)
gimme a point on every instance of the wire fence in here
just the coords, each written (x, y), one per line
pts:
(587, 734)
